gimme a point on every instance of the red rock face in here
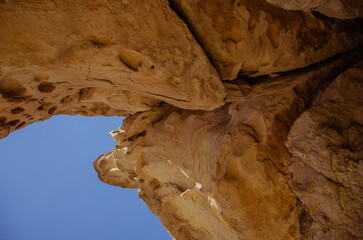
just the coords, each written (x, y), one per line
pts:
(243, 119)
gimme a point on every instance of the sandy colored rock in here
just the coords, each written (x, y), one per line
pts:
(57, 60)
(120, 58)
(228, 175)
(253, 37)
(326, 165)
(273, 153)
(343, 9)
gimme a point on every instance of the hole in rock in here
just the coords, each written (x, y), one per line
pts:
(50, 190)
(46, 87)
(17, 110)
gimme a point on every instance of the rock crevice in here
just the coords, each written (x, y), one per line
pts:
(243, 118)
(236, 154)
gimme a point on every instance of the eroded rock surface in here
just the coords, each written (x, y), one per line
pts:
(275, 152)
(99, 58)
(326, 166)
(228, 175)
(343, 9)
(253, 37)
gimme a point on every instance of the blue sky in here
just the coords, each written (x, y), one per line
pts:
(50, 191)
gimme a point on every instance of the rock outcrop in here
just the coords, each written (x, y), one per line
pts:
(343, 9)
(99, 58)
(229, 172)
(243, 118)
(253, 38)
(326, 165)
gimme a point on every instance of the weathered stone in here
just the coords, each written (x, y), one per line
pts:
(273, 153)
(128, 56)
(227, 174)
(326, 166)
(253, 37)
(343, 9)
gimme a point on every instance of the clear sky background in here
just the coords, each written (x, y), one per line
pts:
(49, 189)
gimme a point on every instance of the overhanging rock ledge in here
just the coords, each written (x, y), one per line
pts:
(243, 118)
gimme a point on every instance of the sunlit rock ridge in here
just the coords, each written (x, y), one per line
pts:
(243, 119)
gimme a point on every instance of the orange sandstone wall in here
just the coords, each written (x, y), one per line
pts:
(243, 118)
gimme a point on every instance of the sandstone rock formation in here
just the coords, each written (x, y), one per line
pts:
(326, 163)
(254, 38)
(228, 175)
(99, 58)
(343, 9)
(243, 119)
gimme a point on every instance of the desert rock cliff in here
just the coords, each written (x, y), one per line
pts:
(243, 118)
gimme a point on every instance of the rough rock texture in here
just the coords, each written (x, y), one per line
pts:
(253, 37)
(326, 143)
(343, 9)
(227, 169)
(275, 152)
(99, 58)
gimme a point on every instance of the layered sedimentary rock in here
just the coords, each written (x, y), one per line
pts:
(326, 165)
(99, 58)
(343, 9)
(228, 174)
(243, 119)
(253, 37)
